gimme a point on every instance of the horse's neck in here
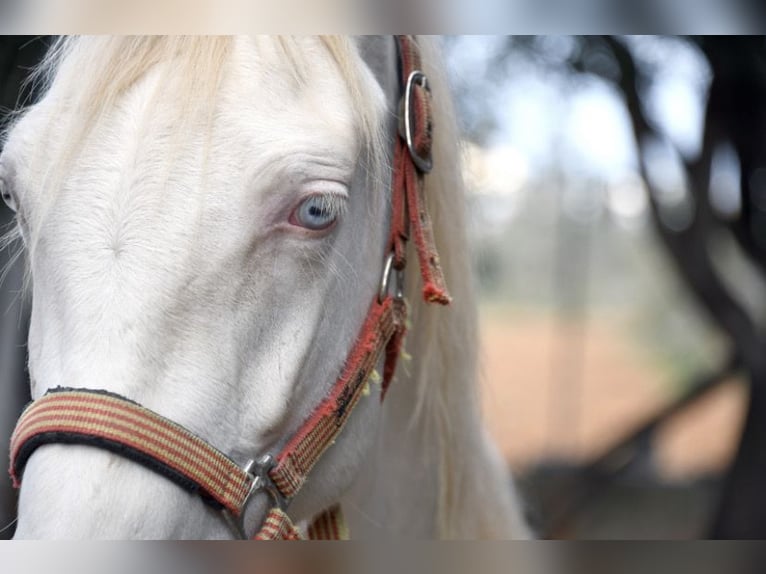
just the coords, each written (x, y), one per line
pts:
(397, 495)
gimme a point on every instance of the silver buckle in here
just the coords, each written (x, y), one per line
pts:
(425, 164)
(258, 470)
(385, 280)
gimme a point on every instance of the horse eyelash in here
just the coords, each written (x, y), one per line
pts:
(335, 203)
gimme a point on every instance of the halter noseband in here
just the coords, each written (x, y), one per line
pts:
(119, 425)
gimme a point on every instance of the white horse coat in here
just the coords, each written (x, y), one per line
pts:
(161, 186)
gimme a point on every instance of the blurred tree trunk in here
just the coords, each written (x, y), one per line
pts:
(735, 114)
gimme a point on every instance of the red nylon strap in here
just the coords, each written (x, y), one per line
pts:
(119, 425)
(409, 211)
(384, 324)
(328, 525)
(278, 526)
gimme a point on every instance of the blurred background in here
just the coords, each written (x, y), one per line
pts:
(617, 190)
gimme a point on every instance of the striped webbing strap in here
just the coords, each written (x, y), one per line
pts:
(114, 423)
(111, 422)
(328, 525)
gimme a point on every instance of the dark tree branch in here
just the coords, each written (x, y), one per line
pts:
(742, 511)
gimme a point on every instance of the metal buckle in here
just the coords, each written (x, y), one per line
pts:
(258, 470)
(424, 164)
(385, 280)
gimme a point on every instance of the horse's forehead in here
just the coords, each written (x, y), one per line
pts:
(272, 99)
(261, 93)
(264, 74)
(263, 116)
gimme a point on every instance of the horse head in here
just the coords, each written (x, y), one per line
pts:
(208, 228)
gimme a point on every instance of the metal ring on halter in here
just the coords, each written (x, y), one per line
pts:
(385, 280)
(261, 482)
(425, 164)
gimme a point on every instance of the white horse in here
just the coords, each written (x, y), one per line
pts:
(163, 188)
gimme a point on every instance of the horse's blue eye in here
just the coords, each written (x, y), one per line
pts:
(317, 212)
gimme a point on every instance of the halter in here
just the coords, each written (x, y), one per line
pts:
(117, 424)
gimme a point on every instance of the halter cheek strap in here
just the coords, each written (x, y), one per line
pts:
(412, 160)
(114, 423)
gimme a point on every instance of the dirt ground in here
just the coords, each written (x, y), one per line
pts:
(551, 390)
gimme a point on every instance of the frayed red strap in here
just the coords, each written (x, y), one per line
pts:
(434, 285)
(383, 322)
(409, 212)
(328, 525)
(278, 526)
